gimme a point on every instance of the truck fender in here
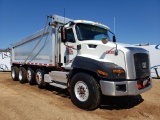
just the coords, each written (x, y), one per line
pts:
(92, 65)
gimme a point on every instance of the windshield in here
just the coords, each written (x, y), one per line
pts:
(90, 32)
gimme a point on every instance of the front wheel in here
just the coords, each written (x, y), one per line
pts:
(85, 91)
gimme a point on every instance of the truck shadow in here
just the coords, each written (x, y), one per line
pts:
(107, 102)
(123, 102)
(58, 91)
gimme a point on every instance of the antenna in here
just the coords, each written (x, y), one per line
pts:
(64, 15)
(114, 25)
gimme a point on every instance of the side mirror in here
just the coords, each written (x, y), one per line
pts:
(114, 38)
(63, 35)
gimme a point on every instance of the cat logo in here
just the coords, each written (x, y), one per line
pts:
(144, 65)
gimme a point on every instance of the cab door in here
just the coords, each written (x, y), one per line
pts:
(69, 50)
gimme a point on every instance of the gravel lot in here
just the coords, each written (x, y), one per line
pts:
(25, 102)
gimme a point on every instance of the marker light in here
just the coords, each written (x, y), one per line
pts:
(102, 73)
(118, 71)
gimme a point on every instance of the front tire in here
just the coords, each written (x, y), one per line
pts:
(85, 91)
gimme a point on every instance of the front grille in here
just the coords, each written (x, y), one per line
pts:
(141, 62)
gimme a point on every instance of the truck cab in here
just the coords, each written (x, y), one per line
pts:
(78, 34)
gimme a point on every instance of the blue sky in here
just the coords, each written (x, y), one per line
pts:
(136, 21)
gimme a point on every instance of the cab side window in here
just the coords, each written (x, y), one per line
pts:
(70, 36)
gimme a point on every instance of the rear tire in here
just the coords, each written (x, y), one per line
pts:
(30, 76)
(85, 91)
(40, 79)
(14, 73)
(22, 75)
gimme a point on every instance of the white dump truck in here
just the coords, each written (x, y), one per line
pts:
(79, 55)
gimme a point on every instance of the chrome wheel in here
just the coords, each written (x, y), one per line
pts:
(81, 91)
(20, 75)
(28, 75)
(39, 77)
(13, 74)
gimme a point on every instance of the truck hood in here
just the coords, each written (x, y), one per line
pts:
(95, 49)
(110, 44)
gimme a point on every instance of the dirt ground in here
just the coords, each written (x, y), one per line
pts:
(25, 102)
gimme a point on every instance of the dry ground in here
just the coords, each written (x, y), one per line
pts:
(25, 102)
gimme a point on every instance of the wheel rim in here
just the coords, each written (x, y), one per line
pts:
(20, 75)
(81, 91)
(28, 75)
(38, 77)
(13, 74)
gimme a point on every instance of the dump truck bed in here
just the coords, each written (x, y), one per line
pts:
(36, 49)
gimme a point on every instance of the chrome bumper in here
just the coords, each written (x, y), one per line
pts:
(123, 88)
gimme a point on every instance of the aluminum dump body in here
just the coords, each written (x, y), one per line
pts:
(41, 48)
(36, 49)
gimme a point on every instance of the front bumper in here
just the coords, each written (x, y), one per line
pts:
(123, 88)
